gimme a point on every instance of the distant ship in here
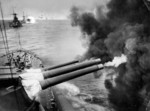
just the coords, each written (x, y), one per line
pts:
(15, 23)
(24, 19)
(28, 19)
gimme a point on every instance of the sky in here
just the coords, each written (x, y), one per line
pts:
(49, 8)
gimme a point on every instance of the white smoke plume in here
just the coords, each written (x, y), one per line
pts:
(117, 61)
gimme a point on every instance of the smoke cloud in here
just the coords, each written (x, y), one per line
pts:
(123, 29)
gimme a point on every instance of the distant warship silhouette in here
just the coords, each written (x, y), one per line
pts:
(15, 23)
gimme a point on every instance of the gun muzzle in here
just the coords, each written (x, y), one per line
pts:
(62, 78)
(67, 69)
(60, 65)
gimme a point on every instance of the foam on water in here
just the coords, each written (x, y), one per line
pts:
(69, 89)
(77, 98)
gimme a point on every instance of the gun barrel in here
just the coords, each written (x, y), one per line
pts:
(8, 77)
(67, 69)
(62, 78)
(60, 65)
(7, 70)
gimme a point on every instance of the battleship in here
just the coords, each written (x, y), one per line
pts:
(15, 23)
(24, 19)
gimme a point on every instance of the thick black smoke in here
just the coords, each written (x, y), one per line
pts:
(95, 32)
(74, 16)
(124, 29)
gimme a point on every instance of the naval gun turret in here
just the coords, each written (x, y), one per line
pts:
(28, 84)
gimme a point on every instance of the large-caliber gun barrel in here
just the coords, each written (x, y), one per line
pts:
(62, 78)
(8, 77)
(71, 68)
(60, 65)
(7, 70)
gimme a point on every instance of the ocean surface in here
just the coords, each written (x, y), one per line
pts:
(57, 42)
